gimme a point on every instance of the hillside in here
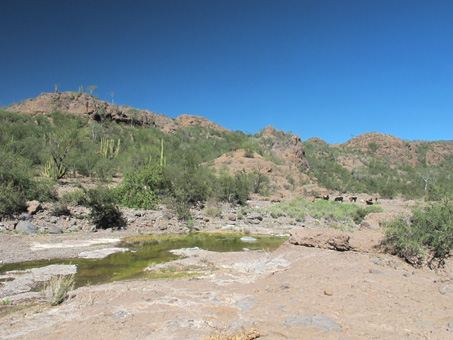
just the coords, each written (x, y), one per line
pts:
(371, 163)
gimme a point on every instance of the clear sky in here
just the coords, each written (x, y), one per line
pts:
(326, 68)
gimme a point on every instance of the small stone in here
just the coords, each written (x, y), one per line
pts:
(122, 315)
(328, 292)
(446, 289)
(450, 324)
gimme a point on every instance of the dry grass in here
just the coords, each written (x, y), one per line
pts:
(56, 290)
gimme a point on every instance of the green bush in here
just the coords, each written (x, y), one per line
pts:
(139, 189)
(426, 238)
(234, 189)
(104, 213)
(12, 201)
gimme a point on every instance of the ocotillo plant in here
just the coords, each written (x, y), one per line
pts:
(108, 148)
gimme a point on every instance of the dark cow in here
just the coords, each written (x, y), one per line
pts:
(325, 197)
(369, 201)
(353, 199)
(339, 199)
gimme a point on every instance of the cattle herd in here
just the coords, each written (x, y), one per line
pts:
(352, 199)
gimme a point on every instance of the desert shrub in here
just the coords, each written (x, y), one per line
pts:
(190, 183)
(139, 189)
(76, 197)
(212, 209)
(234, 189)
(426, 238)
(259, 182)
(12, 201)
(57, 289)
(104, 213)
(42, 190)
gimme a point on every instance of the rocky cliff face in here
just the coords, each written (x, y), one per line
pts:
(289, 147)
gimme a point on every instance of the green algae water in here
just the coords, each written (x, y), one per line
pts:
(149, 250)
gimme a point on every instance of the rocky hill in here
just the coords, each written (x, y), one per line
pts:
(397, 151)
(87, 105)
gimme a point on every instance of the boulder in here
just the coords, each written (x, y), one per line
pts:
(53, 229)
(26, 227)
(25, 217)
(254, 215)
(33, 207)
(327, 239)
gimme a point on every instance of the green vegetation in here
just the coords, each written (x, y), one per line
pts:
(377, 175)
(104, 213)
(426, 238)
(336, 214)
(42, 150)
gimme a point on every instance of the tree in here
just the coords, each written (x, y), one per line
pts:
(428, 177)
(112, 94)
(59, 145)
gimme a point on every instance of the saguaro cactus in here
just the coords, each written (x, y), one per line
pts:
(163, 160)
(108, 148)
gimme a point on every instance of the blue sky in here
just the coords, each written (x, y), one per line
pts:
(333, 69)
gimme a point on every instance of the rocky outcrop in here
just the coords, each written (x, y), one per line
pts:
(188, 120)
(295, 152)
(288, 146)
(395, 150)
(84, 104)
(327, 239)
(316, 140)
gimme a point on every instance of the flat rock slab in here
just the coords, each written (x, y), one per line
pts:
(74, 244)
(364, 241)
(22, 281)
